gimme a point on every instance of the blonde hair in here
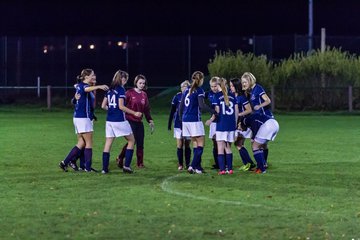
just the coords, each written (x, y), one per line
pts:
(214, 80)
(185, 83)
(85, 72)
(250, 78)
(117, 78)
(197, 80)
(222, 83)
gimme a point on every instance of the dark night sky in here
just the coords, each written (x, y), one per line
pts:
(156, 17)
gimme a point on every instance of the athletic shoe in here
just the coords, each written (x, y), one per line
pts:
(73, 166)
(221, 172)
(258, 171)
(230, 172)
(127, 170)
(252, 167)
(141, 165)
(191, 170)
(91, 170)
(104, 172)
(245, 167)
(63, 166)
(81, 169)
(180, 167)
(120, 162)
(197, 171)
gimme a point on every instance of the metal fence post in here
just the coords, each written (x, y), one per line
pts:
(350, 95)
(49, 97)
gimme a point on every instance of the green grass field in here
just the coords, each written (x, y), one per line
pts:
(311, 190)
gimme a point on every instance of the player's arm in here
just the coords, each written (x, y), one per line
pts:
(266, 102)
(92, 88)
(171, 116)
(203, 106)
(127, 110)
(104, 104)
(247, 110)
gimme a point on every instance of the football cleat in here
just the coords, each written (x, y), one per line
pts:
(74, 166)
(258, 171)
(245, 167)
(197, 171)
(127, 170)
(63, 166)
(191, 170)
(104, 172)
(230, 172)
(180, 167)
(221, 172)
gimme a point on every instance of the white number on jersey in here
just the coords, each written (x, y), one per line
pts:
(112, 101)
(187, 100)
(230, 111)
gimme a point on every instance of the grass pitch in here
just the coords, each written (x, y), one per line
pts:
(311, 190)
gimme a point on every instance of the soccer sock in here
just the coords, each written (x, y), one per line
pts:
(82, 159)
(221, 161)
(229, 161)
(72, 155)
(194, 161)
(180, 156)
(105, 158)
(128, 157)
(187, 155)
(215, 155)
(88, 158)
(266, 153)
(245, 157)
(199, 153)
(259, 157)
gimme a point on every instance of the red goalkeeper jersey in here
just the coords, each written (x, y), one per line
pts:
(137, 102)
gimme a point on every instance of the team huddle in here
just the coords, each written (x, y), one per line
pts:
(236, 114)
(239, 109)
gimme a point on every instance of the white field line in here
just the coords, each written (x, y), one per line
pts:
(166, 187)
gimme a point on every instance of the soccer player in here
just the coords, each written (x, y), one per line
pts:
(116, 124)
(214, 89)
(240, 136)
(259, 100)
(191, 105)
(227, 108)
(82, 120)
(264, 129)
(180, 140)
(137, 100)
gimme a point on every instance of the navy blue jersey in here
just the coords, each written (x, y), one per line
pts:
(242, 101)
(114, 113)
(254, 122)
(191, 112)
(210, 95)
(176, 102)
(226, 117)
(256, 99)
(84, 105)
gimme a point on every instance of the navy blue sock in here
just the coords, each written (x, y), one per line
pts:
(128, 157)
(215, 155)
(88, 158)
(229, 161)
(193, 162)
(199, 155)
(105, 159)
(82, 159)
(180, 156)
(266, 153)
(74, 152)
(221, 161)
(259, 157)
(187, 155)
(245, 157)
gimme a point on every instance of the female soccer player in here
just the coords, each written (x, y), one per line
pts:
(180, 140)
(259, 100)
(240, 136)
(137, 100)
(264, 129)
(191, 105)
(116, 124)
(82, 120)
(214, 89)
(227, 108)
